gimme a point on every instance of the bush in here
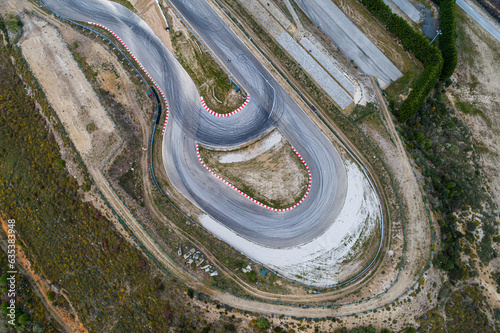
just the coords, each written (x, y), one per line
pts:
(262, 323)
(23, 319)
(3, 280)
(252, 277)
(51, 295)
(61, 163)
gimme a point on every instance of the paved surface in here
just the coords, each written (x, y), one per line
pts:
(328, 65)
(304, 59)
(407, 8)
(337, 26)
(278, 15)
(494, 31)
(298, 53)
(189, 123)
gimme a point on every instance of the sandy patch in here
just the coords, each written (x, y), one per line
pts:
(83, 116)
(151, 13)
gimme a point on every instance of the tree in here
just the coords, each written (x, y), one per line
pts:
(23, 319)
(251, 276)
(51, 295)
(61, 163)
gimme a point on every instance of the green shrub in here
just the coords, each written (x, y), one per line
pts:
(252, 277)
(23, 319)
(262, 323)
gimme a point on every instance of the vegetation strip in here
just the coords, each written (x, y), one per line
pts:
(225, 114)
(249, 197)
(447, 41)
(33, 161)
(419, 45)
(144, 69)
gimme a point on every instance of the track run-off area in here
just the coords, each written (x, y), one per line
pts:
(189, 123)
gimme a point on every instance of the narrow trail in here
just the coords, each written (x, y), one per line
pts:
(41, 289)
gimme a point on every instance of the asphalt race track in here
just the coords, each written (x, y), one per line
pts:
(270, 106)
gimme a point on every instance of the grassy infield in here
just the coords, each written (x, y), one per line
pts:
(229, 171)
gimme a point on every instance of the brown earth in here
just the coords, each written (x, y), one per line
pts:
(59, 76)
(151, 13)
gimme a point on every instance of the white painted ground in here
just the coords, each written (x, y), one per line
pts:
(319, 262)
(261, 147)
(304, 59)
